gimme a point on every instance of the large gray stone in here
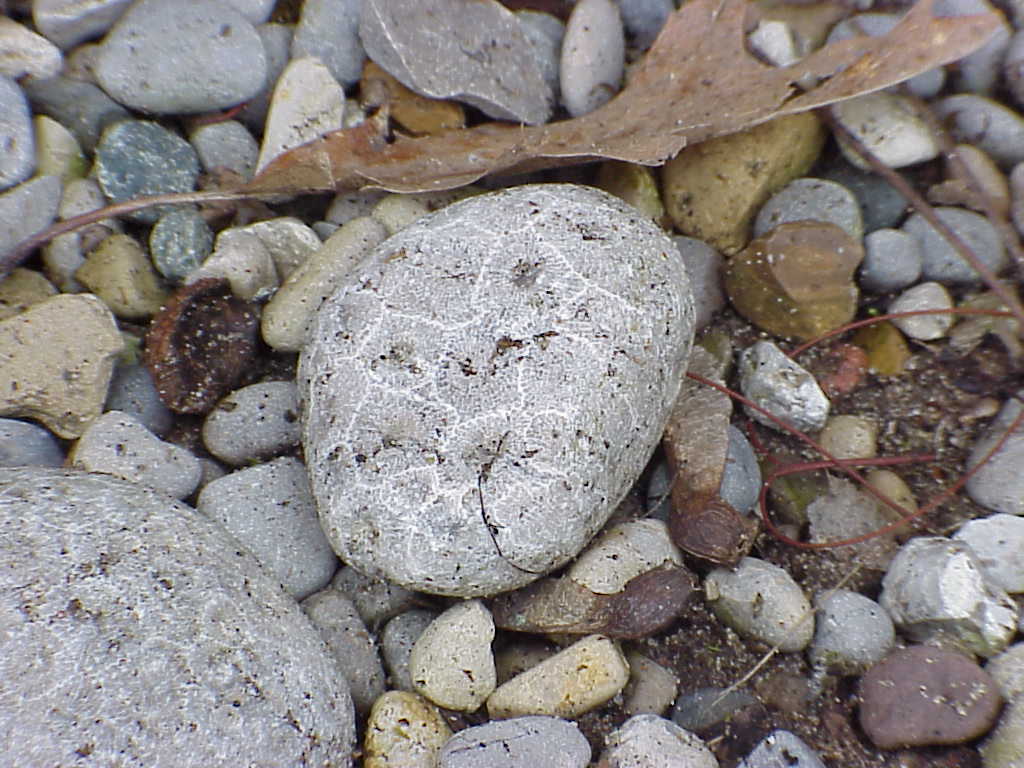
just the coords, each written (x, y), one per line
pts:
(135, 631)
(485, 387)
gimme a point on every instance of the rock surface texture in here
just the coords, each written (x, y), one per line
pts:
(486, 386)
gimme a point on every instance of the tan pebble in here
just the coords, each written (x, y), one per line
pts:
(622, 553)
(651, 688)
(21, 289)
(850, 437)
(887, 482)
(633, 183)
(121, 274)
(404, 731)
(57, 150)
(397, 212)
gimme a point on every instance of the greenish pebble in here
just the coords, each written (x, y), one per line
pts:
(180, 241)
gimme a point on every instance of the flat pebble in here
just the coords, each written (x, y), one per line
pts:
(651, 688)
(179, 243)
(923, 696)
(404, 731)
(451, 663)
(329, 31)
(889, 127)
(848, 436)
(704, 266)
(277, 43)
(290, 242)
(269, 509)
(781, 749)
(575, 680)
(23, 444)
(940, 260)
(350, 643)
(892, 260)
(998, 543)
(741, 478)
(593, 56)
(227, 144)
(376, 600)
(397, 640)
(117, 444)
(521, 742)
(253, 423)
(1007, 669)
(622, 553)
(544, 33)
(989, 125)
(781, 387)
(649, 741)
(1004, 747)
(27, 209)
(852, 632)
(19, 156)
(59, 357)
(813, 199)
(23, 52)
(163, 57)
(923, 296)
(132, 392)
(307, 103)
(120, 273)
(999, 484)
(80, 107)
(240, 258)
(136, 158)
(935, 585)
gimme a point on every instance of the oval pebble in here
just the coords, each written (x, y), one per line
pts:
(741, 478)
(179, 242)
(486, 304)
(132, 391)
(852, 632)
(227, 144)
(1004, 747)
(622, 553)
(940, 260)
(253, 423)
(593, 56)
(16, 137)
(781, 749)
(119, 272)
(892, 261)
(781, 387)
(23, 444)
(397, 640)
(1007, 669)
(643, 19)
(240, 258)
(544, 33)
(80, 107)
(404, 731)
(704, 266)
(811, 199)
(923, 296)
(999, 484)
(649, 741)
(522, 742)
(651, 688)
(998, 542)
(27, 209)
(269, 509)
(989, 125)
(889, 127)
(290, 242)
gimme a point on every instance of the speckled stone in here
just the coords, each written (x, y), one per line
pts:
(253, 423)
(120, 273)
(521, 742)
(404, 731)
(179, 242)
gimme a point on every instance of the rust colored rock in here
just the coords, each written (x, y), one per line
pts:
(200, 345)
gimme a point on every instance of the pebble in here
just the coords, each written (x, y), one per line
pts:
(80, 107)
(451, 663)
(254, 423)
(307, 104)
(404, 731)
(643, 20)
(893, 486)
(132, 392)
(704, 266)
(515, 659)
(179, 243)
(936, 586)
(120, 273)
(635, 184)
(227, 144)
(999, 484)
(622, 553)
(18, 158)
(23, 52)
(136, 158)
(1013, 67)
(277, 44)
(397, 212)
(350, 643)
(846, 512)
(1007, 669)
(956, 191)
(27, 209)
(117, 444)
(651, 688)
(66, 253)
(774, 42)
(778, 385)
(702, 708)
(762, 602)
(889, 127)
(649, 741)
(57, 151)
(848, 436)
(998, 543)
(397, 640)
(741, 478)
(940, 260)
(924, 696)
(254, 11)
(881, 204)
(575, 680)
(1004, 747)
(990, 126)
(270, 510)
(522, 742)
(852, 633)
(524, 301)
(240, 258)
(482, 59)
(346, 206)
(67, 22)
(811, 199)
(593, 56)
(892, 261)
(286, 317)
(59, 357)
(329, 31)
(978, 72)
(163, 57)
(923, 296)
(544, 33)
(375, 599)
(290, 242)
(196, 623)
(781, 749)
(21, 289)
(23, 444)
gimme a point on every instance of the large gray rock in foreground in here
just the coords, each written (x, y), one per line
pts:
(135, 631)
(485, 387)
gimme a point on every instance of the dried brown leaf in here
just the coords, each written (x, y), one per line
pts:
(697, 81)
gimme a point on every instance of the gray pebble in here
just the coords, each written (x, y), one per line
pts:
(117, 444)
(643, 19)
(253, 423)
(852, 633)
(66, 253)
(254, 11)
(593, 56)
(544, 33)
(16, 136)
(702, 708)
(348, 640)
(704, 266)
(741, 478)
(522, 742)
(134, 609)
(979, 71)
(1013, 67)
(782, 749)
(892, 261)
(889, 126)
(136, 158)
(649, 741)
(375, 599)
(658, 498)
(179, 243)
(923, 296)
(998, 542)
(166, 57)
(23, 444)
(811, 199)
(269, 509)
(881, 204)
(989, 125)
(27, 209)
(80, 107)
(132, 391)
(651, 688)
(329, 30)
(1007, 669)
(290, 242)
(277, 43)
(69, 22)
(999, 484)
(771, 380)
(350, 205)
(396, 642)
(939, 259)
(227, 144)
(25, 53)
(1004, 746)
(240, 258)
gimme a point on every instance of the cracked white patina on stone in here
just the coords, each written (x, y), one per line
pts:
(485, 387)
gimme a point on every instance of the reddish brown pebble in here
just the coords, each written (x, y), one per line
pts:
(649, 603)
(923, 696)
(846, 367)
(200, 345)
(717, 533)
